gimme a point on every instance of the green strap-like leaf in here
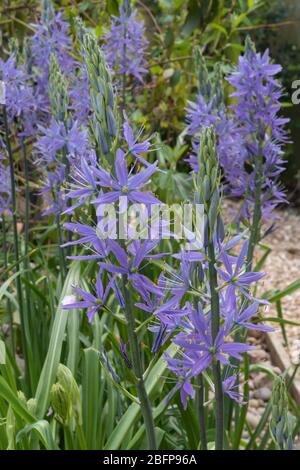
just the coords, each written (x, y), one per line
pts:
(128, 419)
(274, 297)
(52, 360)
(42, 428)
(12, 399)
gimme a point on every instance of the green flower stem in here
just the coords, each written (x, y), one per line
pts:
(241, 413)
(200, 403)
(62, 258)
(201, 413)
(16, 240)
(61, 253)
(27, 199)
(8, 300)
(256, 222)
(253, 241)
(31, 339)
(124, 74)
(137, 368)
(215, 325)
(68, 438)
(81, 438)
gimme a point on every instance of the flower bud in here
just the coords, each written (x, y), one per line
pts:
(60, 403)
(104, 122)
(208, 180)
(31, 405)
(280, 425)
(67, 381)
(58, 91)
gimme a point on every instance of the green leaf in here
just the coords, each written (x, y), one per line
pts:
(113, 7)
(2, 352)
(281, 321)
(237, 20)
(273, 297)
(263, 368)
(43, 430)
(7, 283)
(138, 436)
(91, 397)
(52, 360)
(13, 400)
(219, 27)
(262, 260)
(73, 341)
(129, 418)
(115, 384)
(193, 18)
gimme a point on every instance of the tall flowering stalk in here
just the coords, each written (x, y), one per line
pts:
(123, 262)
(19, 94)
(210, 298)
(209, 110)
(5, 184)
(24, 320)
(52, 150)
(5, 211)
(60, 144)
(250, 134)
(263, 132)
(101, 92)
(51, 38)
(208, 194)
(119, 262)
(126, 45)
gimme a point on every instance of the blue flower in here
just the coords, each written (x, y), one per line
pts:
(126, 44)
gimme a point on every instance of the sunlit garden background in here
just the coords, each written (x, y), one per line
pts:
(156, 341)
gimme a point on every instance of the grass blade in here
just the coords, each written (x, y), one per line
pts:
(128, 419)
(56, 340)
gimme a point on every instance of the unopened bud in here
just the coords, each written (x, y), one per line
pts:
(281, 423)
(60, 403)
(67, 381)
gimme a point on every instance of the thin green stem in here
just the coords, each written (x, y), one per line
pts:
(242, 413)
(68, 438)
(61, 253)
(215, 325)
(201, 413)
(15, 235)
(124, 91)
(137, 367)
(27, 199)
(253, 241)
(282, 325)
(62, 258)
(9, 309)
(124, 74)
(81, 438)
(200, 402)
(256, 222)
(28, 307)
